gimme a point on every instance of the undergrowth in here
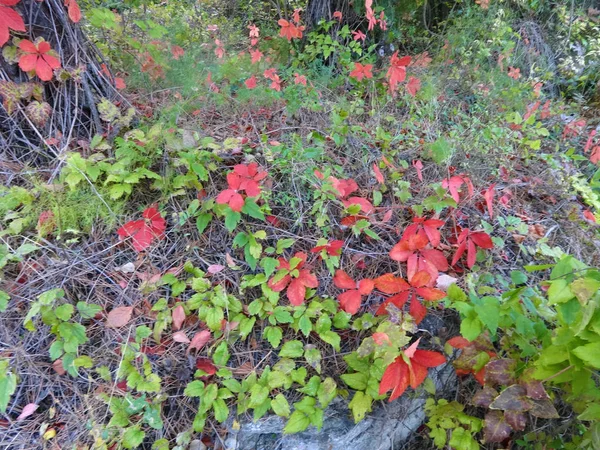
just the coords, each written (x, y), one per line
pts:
(278, 224)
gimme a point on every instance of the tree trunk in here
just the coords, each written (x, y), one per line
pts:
(316, 10)
(44, 119)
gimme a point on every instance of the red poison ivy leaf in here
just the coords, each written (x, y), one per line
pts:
(408, 369)
(144, 231)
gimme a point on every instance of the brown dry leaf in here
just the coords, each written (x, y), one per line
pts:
(119, 317)
(244, 369)
(519, 238)
(58, 367)
(536, 231)
(178, 316)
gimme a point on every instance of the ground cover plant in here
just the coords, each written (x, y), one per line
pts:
(324, 207)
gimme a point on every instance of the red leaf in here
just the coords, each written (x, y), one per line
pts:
(471, 253)
(74, 11)
(9, 20)
(413, 86)
(396, 378)
(381, 338)
(378, 175)
(119, 317)
(365, 205)
(428, 358)
(28, 410)
(342, 280)
(417, 373)
(350, 301)
(120, 83)
(488, 195)
(236, 202)
(199, 340)
(366, 286)
(180, 337)
(178, 317)
(397, 71)
(296, 292)
(458, 342)
(482, 239)
(361, 71)
(250, 82)
(177, 51)
(389, 284)
(417, 310)
(206, 365)
(418, 165)
(430, 294)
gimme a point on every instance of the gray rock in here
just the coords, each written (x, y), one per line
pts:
(385, 428)
(197, 444)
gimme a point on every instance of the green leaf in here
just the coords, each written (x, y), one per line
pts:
(590, 353)
(64, 312)
(297, 422)
(273, 335)
(292, 349)
(305, 325)
(88, 310)
(194, 389)
(518, 277)
(258, 395)
(4, 298)
(360, 405)
(584, 289)
(356, 381)
(8, 385)
(221, 354)
(489, 313)
(221, 410)
(456, 294)
(252, 209)
(232, 218)
(280, 406)
(559, 291)
(133, 437)
(269, 265)
(470, 328)
(327, 391)
(282, 244)
(202, 222)
(332, 338)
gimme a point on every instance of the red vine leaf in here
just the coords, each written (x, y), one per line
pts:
(37, 57)
(9, 20)
(74, 11)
